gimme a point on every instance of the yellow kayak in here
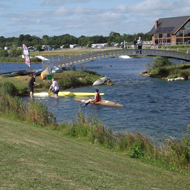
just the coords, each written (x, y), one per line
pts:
(66, 93)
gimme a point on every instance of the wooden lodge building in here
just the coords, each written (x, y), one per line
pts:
(174, 30)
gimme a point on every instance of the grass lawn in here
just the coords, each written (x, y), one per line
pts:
(37, 158)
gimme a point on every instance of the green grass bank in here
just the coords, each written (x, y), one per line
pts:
(38, 158)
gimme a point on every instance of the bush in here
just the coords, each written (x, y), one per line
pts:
(4, 53)
(158, 62)
(15, 52)
(185, 75)
(8, 88)
(38, 113)
(177, 152)
(13, 106)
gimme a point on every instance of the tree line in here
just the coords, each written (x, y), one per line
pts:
(66, 40)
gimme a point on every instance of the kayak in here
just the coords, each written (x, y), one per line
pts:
(66, 93)
(102, 102)
(100, 81)
(43, 74)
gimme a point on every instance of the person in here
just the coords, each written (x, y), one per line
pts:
(139, 43)
(97, 98)
(31, 84)
(54, 88)
(135, 44)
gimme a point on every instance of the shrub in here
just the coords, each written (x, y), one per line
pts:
(8, 88)
(38, 113)
(185, 75)
(4, 53)
(158, 62)
(14, 52)
(136, 151)
(177, 152)
(13, 106)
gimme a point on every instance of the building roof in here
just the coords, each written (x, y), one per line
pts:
(169, 25)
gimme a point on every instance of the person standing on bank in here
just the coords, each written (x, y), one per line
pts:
(139, 43)
(97, 98)
(31, 84)
(54, 88)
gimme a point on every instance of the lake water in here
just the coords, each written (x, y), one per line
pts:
(150, 106)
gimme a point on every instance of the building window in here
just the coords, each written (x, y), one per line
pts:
(187, 40)
(179, 40)
(156, 35)
(187, 32)
(164, 35)
(187, 25)
(179, 33)
(160, 35)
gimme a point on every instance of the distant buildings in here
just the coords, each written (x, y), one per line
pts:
(99, 46)
(174, 30)
(73, 45)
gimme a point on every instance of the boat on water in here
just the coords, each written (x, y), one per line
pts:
(102, 102)
(66, 93)
(100, 81)
(124, 56)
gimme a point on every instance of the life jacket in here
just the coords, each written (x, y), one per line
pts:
(98, 98)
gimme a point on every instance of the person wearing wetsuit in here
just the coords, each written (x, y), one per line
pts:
(31, 84)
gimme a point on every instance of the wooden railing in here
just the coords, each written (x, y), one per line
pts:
(66, 61)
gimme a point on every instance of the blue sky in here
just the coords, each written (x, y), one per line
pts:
(85, 17)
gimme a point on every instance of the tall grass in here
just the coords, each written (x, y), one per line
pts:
(173, 151)
(35, 112)
(177, 152)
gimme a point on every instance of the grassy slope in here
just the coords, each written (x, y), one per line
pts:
(36, 158)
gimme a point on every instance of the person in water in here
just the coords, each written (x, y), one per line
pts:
(97, 98)
(31, 84)
(54, 88)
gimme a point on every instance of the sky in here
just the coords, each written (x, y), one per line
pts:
(85, 17)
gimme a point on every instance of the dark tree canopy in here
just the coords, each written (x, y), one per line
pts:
(66, 39)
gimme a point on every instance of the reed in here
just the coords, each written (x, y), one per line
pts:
(13, 106)
(175, 152)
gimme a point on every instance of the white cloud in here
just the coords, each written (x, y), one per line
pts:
(61, 2)
(86, 17)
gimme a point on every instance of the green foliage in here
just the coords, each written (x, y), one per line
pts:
(67, 39)
(15, 52)
(4, 53)
(174, 152)
(8, 88)
(90, 129)
(38, 113)
(12, 106)
(177, 152)
(70, 79)
(136, 151)
(158, 62)
(172, 71)
(184, 74)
